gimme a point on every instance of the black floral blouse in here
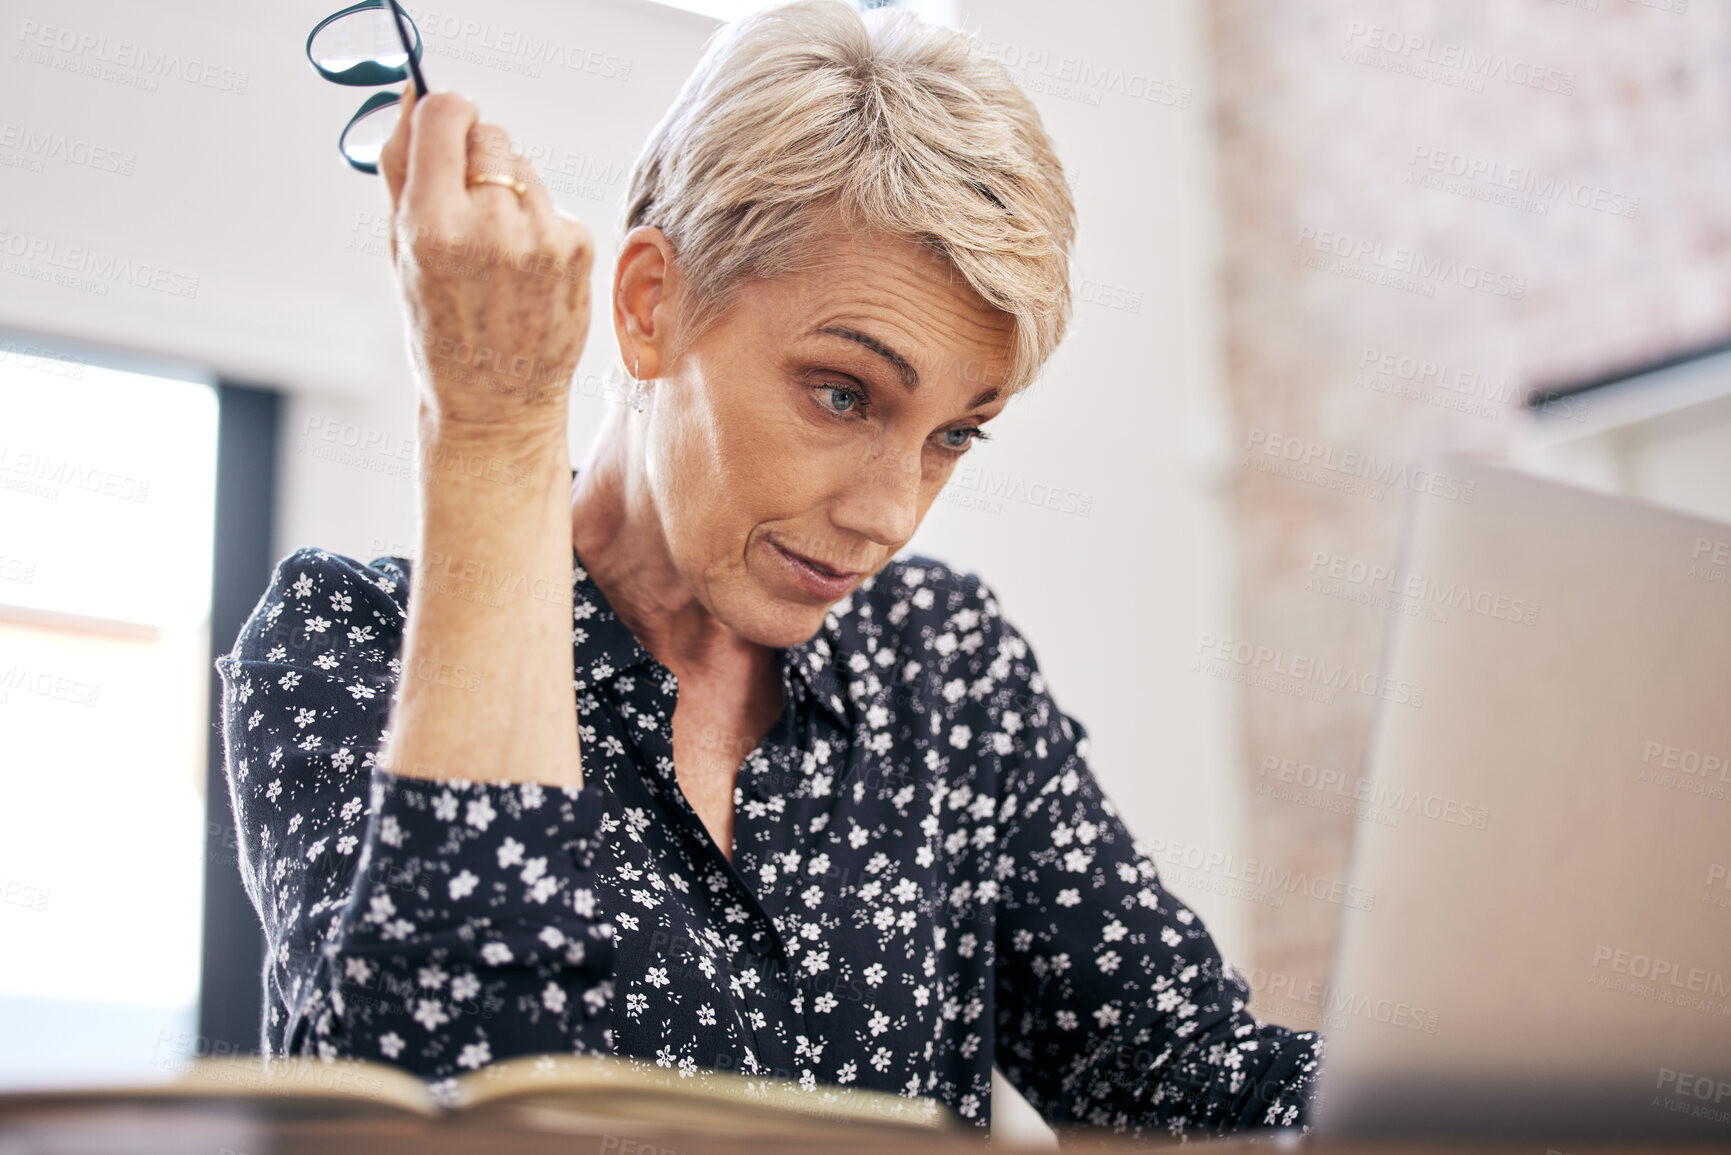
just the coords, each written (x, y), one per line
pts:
(926, 879)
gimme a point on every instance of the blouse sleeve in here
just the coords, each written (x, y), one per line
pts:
(438, 926)
(1115, 1009)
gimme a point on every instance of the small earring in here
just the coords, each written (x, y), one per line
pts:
(638, 398)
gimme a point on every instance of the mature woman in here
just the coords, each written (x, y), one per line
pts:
(804, 807)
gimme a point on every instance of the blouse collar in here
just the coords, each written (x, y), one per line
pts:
(604, 647)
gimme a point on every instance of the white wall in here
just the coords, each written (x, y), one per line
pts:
(1129, 414)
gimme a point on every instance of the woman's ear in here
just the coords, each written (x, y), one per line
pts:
(645, 296)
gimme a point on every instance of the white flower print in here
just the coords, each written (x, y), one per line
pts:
(480, 813)
(430, 1014)
(924, 841)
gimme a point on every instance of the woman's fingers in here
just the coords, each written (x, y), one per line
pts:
(497, 282)
(490, 151)
(438, 166)
(394, 158)
(536, 201)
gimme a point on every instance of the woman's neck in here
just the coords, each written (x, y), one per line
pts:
(617, 532)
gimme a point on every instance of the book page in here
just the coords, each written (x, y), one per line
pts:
(575, 1091)
(287, 1088)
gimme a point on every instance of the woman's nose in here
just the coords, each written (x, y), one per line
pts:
(882, 500)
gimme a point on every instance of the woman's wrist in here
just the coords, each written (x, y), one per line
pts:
(528, 445)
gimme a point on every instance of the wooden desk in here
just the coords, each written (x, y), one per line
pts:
(178, 1131)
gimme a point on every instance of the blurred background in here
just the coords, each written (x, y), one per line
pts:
(1317, 241)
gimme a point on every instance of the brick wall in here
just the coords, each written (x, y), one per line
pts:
(1427, 209)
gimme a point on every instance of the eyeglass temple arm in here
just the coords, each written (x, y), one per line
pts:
(400, 21)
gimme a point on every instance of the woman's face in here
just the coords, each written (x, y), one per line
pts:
(796, 445)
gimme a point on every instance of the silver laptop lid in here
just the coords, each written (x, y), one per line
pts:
(1549, 948)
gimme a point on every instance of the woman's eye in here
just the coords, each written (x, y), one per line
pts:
(838, 399)
(961, 438)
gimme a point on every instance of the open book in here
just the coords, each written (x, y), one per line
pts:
(576, 1093)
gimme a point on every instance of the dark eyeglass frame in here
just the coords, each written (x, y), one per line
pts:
(368, 73)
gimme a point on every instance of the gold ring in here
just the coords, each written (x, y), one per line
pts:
(499, 178)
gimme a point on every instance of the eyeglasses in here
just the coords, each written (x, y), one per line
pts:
(365, 45)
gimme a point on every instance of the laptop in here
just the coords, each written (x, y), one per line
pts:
(1548, 955)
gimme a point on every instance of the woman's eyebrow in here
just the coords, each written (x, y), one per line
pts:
(910, 377)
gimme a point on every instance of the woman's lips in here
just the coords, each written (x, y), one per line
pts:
(814, 577)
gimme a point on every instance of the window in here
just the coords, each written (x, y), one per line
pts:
(107, 487)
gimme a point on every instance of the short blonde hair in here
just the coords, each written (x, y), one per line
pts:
(799, 113)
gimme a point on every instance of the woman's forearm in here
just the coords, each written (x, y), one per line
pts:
(495, 270)
(486, 685)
